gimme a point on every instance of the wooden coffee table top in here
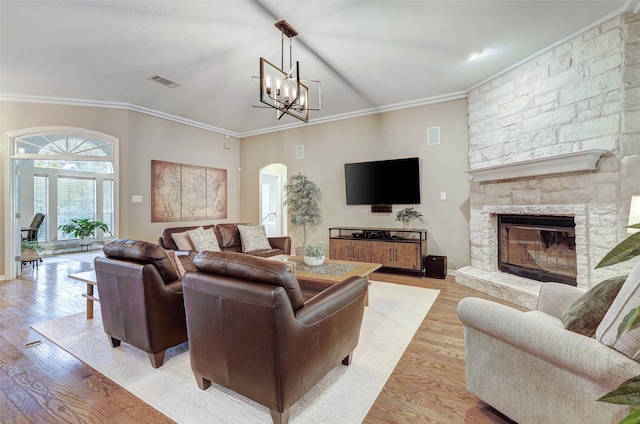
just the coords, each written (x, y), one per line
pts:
(331, 270)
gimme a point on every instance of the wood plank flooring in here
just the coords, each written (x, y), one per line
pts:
(44, 384)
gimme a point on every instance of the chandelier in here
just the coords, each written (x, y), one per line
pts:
(284, 90)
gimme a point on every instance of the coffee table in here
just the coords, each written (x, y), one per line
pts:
(331, 271)
(89, 278)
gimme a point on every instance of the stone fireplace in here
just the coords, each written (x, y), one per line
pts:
(557, 136)
(539, 247)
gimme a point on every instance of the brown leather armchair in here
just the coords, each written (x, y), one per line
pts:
(251, 330)
(141, 297)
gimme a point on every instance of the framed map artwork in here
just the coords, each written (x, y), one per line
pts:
(187, 192)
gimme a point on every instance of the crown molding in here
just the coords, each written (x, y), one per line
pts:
(114, 105)
(185, 121)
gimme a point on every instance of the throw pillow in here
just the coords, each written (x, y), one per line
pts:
(176, 262)
(627, 299)
(253, 238)
(585, 313)
(204, 240)
(182, 240)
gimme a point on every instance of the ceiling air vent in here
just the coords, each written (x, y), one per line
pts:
(164, 81)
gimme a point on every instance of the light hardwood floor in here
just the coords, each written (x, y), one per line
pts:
(44, 384)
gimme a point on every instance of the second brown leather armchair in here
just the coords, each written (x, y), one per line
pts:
(251, 330)
(141, 297)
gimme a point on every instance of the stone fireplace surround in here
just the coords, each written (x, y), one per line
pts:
(581, 95)
(485, 276)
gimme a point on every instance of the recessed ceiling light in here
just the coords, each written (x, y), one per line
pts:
(474, 54)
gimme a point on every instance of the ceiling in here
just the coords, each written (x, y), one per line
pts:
(369, 55)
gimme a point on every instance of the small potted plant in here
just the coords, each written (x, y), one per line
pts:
(83, 227)
(314, 254)
(29, 250)
(408, 215)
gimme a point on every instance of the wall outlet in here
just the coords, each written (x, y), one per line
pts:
(443, 195)
(136, 199)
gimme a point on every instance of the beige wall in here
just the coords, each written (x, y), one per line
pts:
(390, 135)
(142, 138)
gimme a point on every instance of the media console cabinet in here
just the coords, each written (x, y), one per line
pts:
(397, 248)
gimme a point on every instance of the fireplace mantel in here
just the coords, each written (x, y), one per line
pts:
(569, 162)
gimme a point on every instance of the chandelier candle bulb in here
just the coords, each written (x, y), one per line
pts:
(286, 94)
(267, 84)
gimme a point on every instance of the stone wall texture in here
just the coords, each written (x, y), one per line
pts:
(580, 95)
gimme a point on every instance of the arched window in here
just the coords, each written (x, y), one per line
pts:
(71, 175)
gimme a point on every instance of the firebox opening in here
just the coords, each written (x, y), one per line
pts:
(541, 248)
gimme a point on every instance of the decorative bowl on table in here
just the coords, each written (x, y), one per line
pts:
(313, 261)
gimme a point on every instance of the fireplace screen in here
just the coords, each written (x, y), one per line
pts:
(542, 248)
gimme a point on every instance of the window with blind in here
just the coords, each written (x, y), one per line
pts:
(76, 199)
(41, 203)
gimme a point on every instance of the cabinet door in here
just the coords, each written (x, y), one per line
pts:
(361, 251)
(340, 249)
(382, 253)
(407, 256)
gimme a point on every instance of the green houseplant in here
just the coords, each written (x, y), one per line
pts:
(301, 197)
(314, 253)
(83, 227)
(628, 393)
(408, 215)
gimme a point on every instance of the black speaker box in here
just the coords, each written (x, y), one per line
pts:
(435, 266)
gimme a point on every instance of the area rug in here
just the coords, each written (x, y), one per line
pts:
(345, 395)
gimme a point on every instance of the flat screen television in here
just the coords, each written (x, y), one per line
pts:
(386, 182)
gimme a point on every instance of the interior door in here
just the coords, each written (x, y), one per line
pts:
(16, 214)
(271, 209)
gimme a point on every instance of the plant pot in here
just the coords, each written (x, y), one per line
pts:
(407, 225)
(299, 251)
(313, 261)
(28, 255)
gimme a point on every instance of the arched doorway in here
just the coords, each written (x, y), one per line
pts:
(48, 160)
(273, 215)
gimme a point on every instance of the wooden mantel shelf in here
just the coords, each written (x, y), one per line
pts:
(569, 162)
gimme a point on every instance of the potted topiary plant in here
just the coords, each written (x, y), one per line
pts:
(408, 215)
(314, 254)
(83, 227)
(301, 196)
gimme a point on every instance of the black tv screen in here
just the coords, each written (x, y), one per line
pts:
(387, 182)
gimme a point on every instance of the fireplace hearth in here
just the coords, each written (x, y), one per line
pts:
(541, 248)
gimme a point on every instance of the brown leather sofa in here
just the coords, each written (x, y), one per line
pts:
(229, 240)
(251, 330)
(141, 297)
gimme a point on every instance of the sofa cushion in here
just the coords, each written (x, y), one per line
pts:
(183, 241)
(229, 235)
(627, 299)
(177, 263)
(144, 253)
(586, 312)
(253, 238)
(204, 240)
(252, 268)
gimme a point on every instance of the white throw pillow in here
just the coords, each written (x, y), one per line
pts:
(204, 240)
(183, 241)
(253, 238)
(627, 299)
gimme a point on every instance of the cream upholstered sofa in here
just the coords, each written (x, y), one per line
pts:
(533, 370)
